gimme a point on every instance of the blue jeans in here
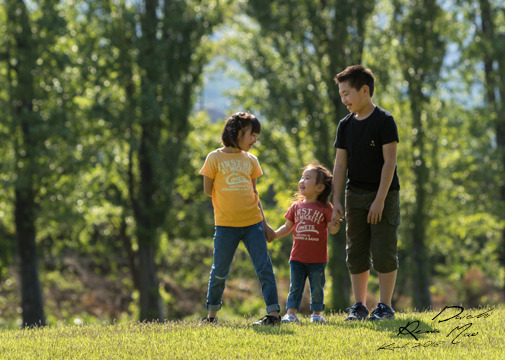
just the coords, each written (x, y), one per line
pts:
(299, 273)
(226, 240)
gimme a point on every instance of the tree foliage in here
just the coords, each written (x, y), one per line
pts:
(164, 50)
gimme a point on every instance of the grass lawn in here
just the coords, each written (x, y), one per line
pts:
(442, 334)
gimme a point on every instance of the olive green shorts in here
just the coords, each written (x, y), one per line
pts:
(370, 245)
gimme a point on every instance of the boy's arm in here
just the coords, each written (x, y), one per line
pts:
(208, 184)
(269, 232)
(339, 173)
(388, 169)
(284, 229)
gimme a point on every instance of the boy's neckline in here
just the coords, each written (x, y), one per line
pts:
(367, 115)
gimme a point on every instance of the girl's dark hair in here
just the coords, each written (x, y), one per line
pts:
(323, 177)
(235, 123)
(358, 76)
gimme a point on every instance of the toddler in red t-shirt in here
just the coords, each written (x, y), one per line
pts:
(309, 217)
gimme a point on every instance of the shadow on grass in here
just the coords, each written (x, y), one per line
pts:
(273, 330)
(411, 327)
(262, 329)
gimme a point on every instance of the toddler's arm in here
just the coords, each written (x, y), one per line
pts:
(284, 229)
(334, 225)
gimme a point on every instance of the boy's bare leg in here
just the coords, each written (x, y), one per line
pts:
(387, 283)
(359, 286)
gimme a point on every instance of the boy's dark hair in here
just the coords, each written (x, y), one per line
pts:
(235, 123)
(324, 177)
(357, 76)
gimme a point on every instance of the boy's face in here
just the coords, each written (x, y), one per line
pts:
(355, 100)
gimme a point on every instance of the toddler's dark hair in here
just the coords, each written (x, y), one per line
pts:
(235, 123)
(357, 75)
(324, 177)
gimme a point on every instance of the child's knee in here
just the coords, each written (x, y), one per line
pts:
(217, 276)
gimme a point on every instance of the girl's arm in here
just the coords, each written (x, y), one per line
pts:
(269, 232)
(208, 184)
(284, 229)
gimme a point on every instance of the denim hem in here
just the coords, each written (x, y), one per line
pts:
(213, 307)
(273, 307)
(317, 307)
(292, 305)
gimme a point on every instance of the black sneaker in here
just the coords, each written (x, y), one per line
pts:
(208, 320)
(268, 320)
(357, 312)
(382, 311)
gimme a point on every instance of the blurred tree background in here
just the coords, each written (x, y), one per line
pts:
(105, 125)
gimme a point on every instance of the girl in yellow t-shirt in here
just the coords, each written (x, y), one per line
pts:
(229, 177)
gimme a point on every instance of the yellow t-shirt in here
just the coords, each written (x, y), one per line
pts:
(233, 197)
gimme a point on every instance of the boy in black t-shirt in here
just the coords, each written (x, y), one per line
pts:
(366, 143)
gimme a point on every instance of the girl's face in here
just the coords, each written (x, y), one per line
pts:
(247, 139)
(308, 185)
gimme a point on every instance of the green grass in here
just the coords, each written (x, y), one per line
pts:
(237, 339)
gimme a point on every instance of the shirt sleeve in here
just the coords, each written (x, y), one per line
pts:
(290, 214)
(209, 168)
(389, 131)
(256, 170)
(339, 139)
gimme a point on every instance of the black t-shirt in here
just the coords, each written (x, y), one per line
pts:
(363, 140)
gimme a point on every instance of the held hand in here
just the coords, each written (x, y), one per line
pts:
(269, 233)
(375, 212)
(334, 225)
(337, 214)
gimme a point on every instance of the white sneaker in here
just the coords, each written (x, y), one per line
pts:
(314, 318)
(290, 318)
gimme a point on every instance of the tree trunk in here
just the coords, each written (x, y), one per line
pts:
(148, 222)
(420, 269)
(150, 300)
(420, 285)
(494, 71)
(147, 205)
(422, 48)
(21, 93)
(167, 38)
(147, 226)
(31, 293)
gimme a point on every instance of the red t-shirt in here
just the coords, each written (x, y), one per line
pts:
(310, 234)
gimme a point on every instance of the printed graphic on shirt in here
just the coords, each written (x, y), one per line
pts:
(233, 171)
(306, 220)
(310, 234)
